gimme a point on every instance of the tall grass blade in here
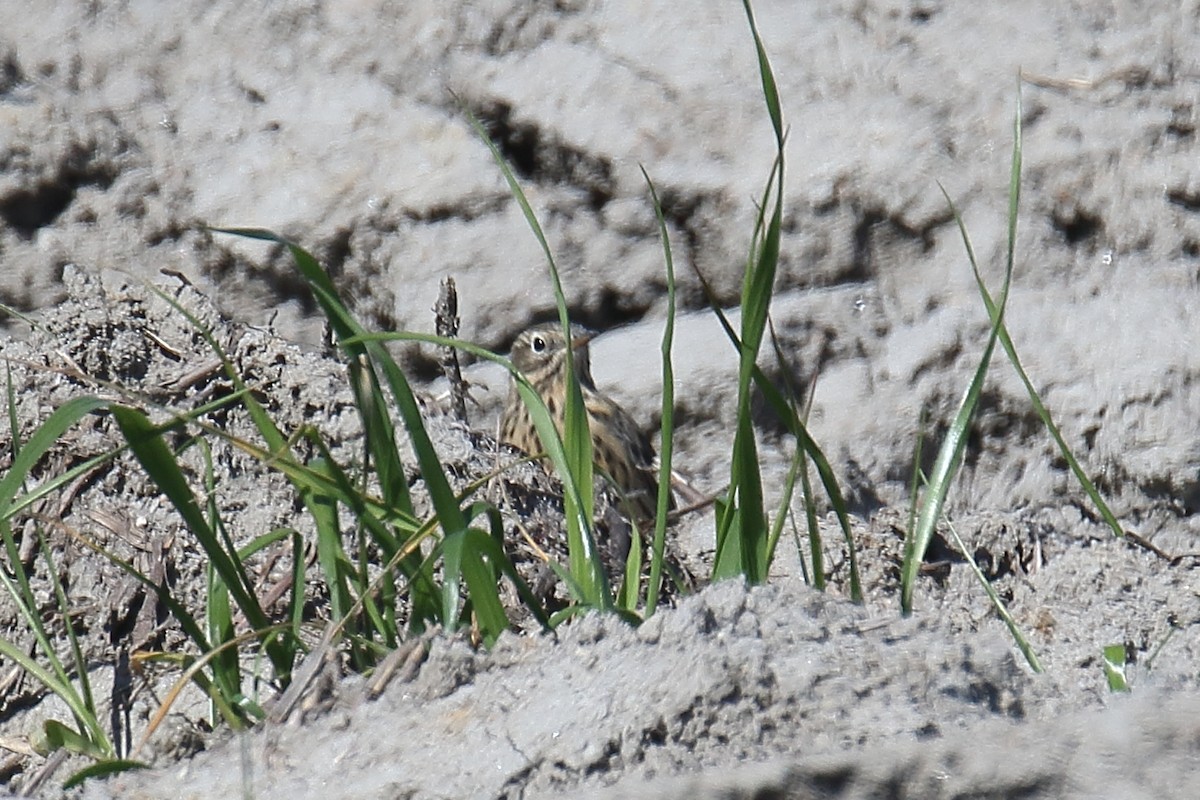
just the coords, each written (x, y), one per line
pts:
(576, 468)
(950, 453)
(667, 437)
(742, 532)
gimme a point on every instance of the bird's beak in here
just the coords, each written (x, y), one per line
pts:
(578, 341)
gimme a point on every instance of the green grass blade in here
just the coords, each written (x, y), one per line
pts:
(586, 565)
(452, 548)
(798, 469)
(1044, 414)
(102, 769)
(40, 442)
(49, 486)
(14, 426)
(797, 428)
(945, 468)
(481, 583)
(816, 545)
(743, 535)
(59, 736)
(1115, 659)
(950, 453)
(226, 667)
(629, 592)
(667, 437)
(330, 553)
(742, 532)
(767, 75)
(492, 548)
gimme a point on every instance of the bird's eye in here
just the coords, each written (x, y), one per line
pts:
(538, 343)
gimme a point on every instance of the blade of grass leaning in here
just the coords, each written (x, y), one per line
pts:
(577, 467)
(769, 89)
(1044, 414)
(781, 516)
(323, 484)
(997, 603)
(798, 469)
(49, 486)
(950, 453)
(667, 436)
(40, 441)
(102, 769)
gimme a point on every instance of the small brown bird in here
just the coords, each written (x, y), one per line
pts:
(619, 447)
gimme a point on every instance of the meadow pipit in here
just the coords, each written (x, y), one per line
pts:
(619, 447)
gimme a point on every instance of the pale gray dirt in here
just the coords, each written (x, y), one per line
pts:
(125, 127)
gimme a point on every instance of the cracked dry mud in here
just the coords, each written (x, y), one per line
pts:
(126, 128)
